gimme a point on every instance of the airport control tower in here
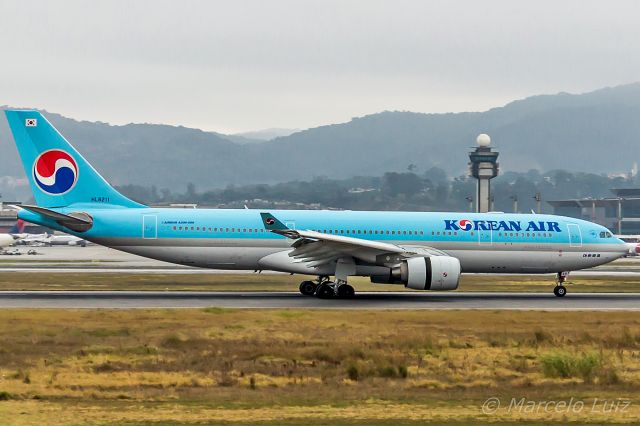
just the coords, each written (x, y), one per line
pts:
(483, 165)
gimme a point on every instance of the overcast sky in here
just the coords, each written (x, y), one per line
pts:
(242, 65)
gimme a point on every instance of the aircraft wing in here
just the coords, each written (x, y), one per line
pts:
(318, 248)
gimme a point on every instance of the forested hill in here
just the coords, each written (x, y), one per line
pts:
(596, 132)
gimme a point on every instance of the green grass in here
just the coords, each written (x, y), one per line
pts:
(292, 367)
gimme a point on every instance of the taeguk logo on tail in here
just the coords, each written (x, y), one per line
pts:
(55, 172)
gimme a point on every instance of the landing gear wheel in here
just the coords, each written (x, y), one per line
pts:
(308, 288)
(345, 291)
(325, 291)
(560, 290)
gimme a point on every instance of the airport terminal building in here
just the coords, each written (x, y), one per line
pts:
(621, 213)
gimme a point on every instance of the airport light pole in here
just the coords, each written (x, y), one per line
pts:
(515, 203)
(469, 198)
(538, 198)
(483, 166)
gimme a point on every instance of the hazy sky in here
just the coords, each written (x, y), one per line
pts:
(242, 65)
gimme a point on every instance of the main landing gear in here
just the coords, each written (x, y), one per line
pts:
(308, 288)
(560, 290)
(325, 289)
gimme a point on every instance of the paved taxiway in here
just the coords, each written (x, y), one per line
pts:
(364, 300)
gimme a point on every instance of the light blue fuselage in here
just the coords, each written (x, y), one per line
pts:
(237, 239)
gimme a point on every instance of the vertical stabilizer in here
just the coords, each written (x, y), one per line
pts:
(58, 174)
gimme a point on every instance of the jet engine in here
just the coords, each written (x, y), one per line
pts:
(424, 273)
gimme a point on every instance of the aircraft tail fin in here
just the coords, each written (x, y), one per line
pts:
(18, 228)
(59, 176)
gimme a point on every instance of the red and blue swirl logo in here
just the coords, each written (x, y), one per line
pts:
(465, 224)
(55, 172)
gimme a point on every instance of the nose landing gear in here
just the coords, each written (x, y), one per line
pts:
(560, 290)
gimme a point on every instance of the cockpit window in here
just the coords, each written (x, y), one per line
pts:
(604, 234)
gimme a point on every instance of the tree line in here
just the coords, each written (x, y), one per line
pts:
(432, 190)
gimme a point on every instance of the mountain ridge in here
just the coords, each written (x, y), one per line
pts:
(543, 131)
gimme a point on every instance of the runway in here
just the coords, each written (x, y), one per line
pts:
(364, 300)
(184, 270)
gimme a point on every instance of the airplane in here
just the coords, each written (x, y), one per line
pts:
(420, 250)
(52, 240)
(23, 238)
(633, 244)
(6, 240)
(14, 234)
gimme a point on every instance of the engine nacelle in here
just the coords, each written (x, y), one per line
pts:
(425, 273)
(430, 273)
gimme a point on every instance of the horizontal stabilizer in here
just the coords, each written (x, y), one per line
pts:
(76, 221)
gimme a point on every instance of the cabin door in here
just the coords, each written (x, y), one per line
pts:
(149, 226)
(575, 237)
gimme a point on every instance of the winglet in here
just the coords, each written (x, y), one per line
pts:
(271, 223)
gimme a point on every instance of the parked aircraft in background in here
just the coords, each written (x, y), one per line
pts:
(633, 244)
(6, 240)
(45, 239)
(423, 251)
(9, 239)
(51, 240)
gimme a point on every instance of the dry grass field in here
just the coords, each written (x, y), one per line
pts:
(292, 367)
(283, 282)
